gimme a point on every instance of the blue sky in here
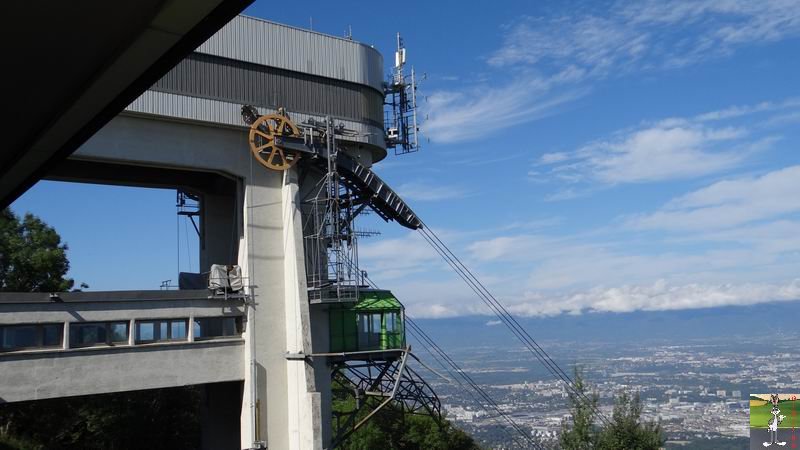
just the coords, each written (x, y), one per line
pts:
(609, 156)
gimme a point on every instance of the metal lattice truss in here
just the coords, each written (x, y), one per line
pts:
(387, 380)
(330, 242)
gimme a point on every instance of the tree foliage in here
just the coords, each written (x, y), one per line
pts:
(153, 419)
(32, 256)
(581, 433)
(392, 428)
(626, 430)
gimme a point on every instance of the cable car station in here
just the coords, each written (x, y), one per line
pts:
(271, 153)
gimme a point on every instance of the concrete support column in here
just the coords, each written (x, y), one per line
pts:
(305, 421)
(320, 336)
(263, 331)
(280, 405)
(132, 332)
(65, 337)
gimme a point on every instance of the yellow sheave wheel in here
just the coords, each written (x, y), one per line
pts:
(262, 141)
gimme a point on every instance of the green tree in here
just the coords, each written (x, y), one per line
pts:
(392, 428)
(580, 433)
(626, 431)
(32, 256)
(151, 419)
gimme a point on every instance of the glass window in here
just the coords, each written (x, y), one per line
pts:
(375, 325)
(213, 327)
(375, 331)
(87, 334)
(363, 331)
(369, 331)
(29, 336)
(161, 330)
(145, 331)
(19, 337)
(178, 329)
(229, 326)
(119, 332)
(52, 334)
(391, 322)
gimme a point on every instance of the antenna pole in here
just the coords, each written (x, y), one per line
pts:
(400, 122)
(414, 107)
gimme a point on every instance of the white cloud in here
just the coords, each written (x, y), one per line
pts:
(658, 296)
(646, 35)
(541, 274)
(556, 157)
(566, 194)
(493, 323)
(656, 154)
(584, 44)
(659, 152)
(783, 119)
(551, 59)
(729, 203)
(744, 110)
(668, 149)
(398, 257)
(463, 116)
(773, 238)
(549, 263)
(733, 242)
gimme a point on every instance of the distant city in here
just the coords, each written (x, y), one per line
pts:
(698, 390)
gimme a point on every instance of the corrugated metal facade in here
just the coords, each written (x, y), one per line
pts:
(271, 44)
(265, 64)
(225, 113)
(242, 82)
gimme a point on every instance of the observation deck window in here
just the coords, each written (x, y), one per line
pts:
(216, 327)
(161, 330)
(30, 336)
(97, 333)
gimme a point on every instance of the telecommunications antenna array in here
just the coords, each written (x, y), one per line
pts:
(400, 115)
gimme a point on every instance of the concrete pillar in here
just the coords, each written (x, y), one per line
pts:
(65, 338)
(321, 336)
(219, 416)
(190, 328)
(304, 423)
(132, 332)
(280, 405)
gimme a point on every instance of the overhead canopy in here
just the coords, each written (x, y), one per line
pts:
(376, 300)
(69, 67)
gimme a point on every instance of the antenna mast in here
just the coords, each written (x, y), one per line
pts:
(400, 119)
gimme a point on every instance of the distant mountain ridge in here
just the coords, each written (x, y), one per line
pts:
(765, 319)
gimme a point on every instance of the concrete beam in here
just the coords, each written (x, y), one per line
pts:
(53, 374)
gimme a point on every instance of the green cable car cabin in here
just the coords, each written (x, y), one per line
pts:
(375, 322)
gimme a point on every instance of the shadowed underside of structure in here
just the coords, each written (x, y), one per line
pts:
(70, 68)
